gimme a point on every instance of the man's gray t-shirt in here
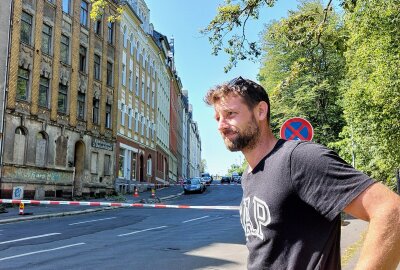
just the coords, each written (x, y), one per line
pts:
(291, 206)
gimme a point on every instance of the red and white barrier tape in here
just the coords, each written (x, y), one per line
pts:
(114, 204)
(170, 185)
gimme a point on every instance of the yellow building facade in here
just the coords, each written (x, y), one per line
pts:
(61, 106)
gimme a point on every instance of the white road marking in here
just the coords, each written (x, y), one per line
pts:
(27, 238)
(40, 251)
(94, 220)
(143, 230)
(194, 219)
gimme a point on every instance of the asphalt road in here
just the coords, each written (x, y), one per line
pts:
(134, 238)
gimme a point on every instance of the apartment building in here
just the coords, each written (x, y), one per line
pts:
(136, 128)
(185, 135)
(164, 72)
(60, 131)
(194, 146)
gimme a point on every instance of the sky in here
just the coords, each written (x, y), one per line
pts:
(199, 70)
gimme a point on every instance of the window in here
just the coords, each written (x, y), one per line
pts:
(122, 114)
(130, 80)
(19, 146)
(64, 49)
(108, 116)
(137, 85)
(96, 107)
(148, 94)
(62, 98)
(149, 169)
(97, 27)
(124, 37)
(130, 118)
(109, 73)
(44, 92)
(110, 27)
(152, 99)
(82, 58)
(94, 161)
(41, 149)
(26, 28)
(132, 45)
(137, 51)
(97, 67)
(84, 13)
(81, 106)
(136, 121)
(143, 123)
(23, 84)
(66, 6)
(123, 74)
(143, 59)
(46, 39)
(107, 164)
(143, 94)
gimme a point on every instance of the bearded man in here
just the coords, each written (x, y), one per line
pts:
(294, 192)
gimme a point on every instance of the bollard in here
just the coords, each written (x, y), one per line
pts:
(21, 208)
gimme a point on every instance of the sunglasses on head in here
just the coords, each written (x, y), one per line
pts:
(237, 81)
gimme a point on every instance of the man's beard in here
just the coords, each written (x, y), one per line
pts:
(244, 139)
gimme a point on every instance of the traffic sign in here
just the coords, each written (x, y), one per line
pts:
(297, 128)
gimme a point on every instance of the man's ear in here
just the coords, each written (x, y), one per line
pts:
(261, 110)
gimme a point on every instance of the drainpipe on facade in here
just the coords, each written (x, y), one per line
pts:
(5, 91)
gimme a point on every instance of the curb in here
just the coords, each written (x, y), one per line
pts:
(69, 213)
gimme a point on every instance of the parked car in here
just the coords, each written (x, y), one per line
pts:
(225, 179)
(193, 185)
(236, 177)
(207, 178)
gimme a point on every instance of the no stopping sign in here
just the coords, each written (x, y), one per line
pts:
(297, 128)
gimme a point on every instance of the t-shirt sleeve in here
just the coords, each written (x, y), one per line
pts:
(323, 180)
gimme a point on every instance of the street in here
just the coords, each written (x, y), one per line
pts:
(133, 238)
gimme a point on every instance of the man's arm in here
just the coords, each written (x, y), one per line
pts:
(381, 207)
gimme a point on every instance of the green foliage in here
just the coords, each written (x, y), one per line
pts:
(371, 90)
(302, 66)
(98, 7)
(239, 168)
(203, 165)
(231, 16)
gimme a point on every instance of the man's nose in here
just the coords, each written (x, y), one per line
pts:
(222, 124)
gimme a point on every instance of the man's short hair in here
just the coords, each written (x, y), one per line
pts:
(251, 92)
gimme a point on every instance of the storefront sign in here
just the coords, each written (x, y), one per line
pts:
(102, 144)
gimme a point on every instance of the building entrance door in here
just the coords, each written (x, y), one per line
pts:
(79, 163)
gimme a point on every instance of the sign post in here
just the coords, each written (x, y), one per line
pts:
(297, 128)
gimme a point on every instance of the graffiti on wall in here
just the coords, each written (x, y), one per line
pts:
(37, 174)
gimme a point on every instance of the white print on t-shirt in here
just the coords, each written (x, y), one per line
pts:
(261, 216)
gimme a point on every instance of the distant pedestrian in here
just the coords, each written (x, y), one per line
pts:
(294, 191)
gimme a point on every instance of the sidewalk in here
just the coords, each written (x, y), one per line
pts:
(46, 211)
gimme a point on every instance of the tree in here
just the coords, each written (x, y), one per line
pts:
(203, 165)
(229, 24)
(98, 7)
(239, 168)
(302, 67)
(231, 16)
(371, 91)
